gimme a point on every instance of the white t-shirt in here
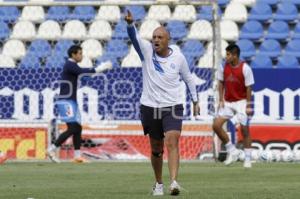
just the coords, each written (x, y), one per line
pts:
(161, 76)
(247, 72)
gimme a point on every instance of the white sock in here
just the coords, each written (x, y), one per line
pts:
(229, 147)
(52, 148)
(77, 153)
(247, 154)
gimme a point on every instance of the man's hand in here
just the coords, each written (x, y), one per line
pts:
(249, 110)
(103, 67)
(196, 109)
(221, 105)
(128, 17)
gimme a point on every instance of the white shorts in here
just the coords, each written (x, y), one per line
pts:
(235, 109)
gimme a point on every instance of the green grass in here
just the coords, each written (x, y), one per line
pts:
(134, 180)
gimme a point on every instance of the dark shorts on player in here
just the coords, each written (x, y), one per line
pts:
(157, 121)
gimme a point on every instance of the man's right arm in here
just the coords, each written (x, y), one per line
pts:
(141, 47)
(131, 30)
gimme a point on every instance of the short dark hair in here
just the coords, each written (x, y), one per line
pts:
(233, 49)
(73, 50)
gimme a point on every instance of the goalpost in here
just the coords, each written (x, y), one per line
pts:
(109, 102)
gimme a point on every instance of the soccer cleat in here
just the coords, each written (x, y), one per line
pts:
(247, 164)
(158, 189)
(3, 158)
(52, 156)
(231, 157)
(80, 160)
(174, 188)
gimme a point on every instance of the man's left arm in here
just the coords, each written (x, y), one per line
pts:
(249, 81)
(188, 79)
(249, 110)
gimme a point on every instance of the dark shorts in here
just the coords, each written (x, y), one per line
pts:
(157, 121)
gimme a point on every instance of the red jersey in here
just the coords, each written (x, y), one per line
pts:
(234, 83)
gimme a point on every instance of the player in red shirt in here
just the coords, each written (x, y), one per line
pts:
(235, 81)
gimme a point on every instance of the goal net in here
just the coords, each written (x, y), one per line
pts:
(35, 37)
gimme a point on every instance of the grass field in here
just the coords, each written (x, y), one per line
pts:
(134, 181)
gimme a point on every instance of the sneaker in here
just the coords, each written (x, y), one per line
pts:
(158, 189)
(3, 158)
(174, 188)
(80, 160)
(247, 164)
(52, 156)
(231, 157)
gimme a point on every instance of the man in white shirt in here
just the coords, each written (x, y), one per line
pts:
(161, 100)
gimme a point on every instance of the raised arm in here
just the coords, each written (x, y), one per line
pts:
(141, 47)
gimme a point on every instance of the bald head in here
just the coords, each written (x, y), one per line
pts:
(160, 41)
(161, 30)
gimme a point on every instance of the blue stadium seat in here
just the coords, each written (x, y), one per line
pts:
(205, 12)
(192, 50)
(247, 48)
(177, 29)
(116, 48)
(138, 12)
(4, 30)
(296, 2)
(293, 48)
(223, 3)
(261, 12)
(120, 31)
(191, 61)
(278, 30)
(62, 47)
(84, 13)
(270, 48)
(270, 2)
(59, 13)
(40, 48)
(9, 14)
(30, 61)
(55, 61)
(107, 57)
(252, 30)
(261, 61)
(286, 11)
(296, 33)
(287, 61)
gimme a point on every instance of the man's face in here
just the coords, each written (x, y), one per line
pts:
(230, 57)
(77, 56)
(160, 40)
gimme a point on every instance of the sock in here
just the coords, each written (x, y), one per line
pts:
(52, 147)
(77, 153)
(247, 154)
(229, 147)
